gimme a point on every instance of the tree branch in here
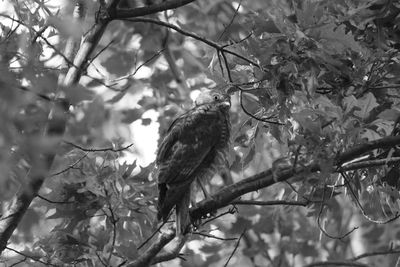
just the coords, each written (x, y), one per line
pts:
(172, 254)
(368, 163)
(31, 257)
(377, 253)
(214, 236)
(270, 202)
(351, 262)
(147, 10)
(219, 48)
(361, 149)
(146, 258)
(98, 149)
(39, 168)
(89, 44)
(336, 263)
(55, 130)
(235, 248)
(227, 195)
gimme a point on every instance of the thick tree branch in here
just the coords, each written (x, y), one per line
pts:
(55, 130)
(147, 10)
(40, 164)
(86, 49)
(368, 163)
(228, 194)
(147, 257)
(39, 168)
(82, 56)
(172, 254)
(361, 149)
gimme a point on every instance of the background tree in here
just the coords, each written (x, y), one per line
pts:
(314, 160)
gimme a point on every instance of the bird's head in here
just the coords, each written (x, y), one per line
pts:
(213, 97)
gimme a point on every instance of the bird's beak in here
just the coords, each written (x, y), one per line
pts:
(227, 103)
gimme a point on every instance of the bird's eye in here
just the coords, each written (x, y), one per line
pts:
(216, 97)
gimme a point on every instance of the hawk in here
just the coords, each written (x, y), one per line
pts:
(194, 145)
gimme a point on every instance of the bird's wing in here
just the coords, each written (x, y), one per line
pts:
(189, 140)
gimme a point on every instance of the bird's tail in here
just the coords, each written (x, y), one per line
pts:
(182, 214)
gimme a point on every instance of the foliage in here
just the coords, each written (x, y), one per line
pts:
(315, 106)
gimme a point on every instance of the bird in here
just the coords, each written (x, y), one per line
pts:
(194, 146)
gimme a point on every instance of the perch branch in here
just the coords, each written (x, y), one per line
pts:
(226, 195)
(147, 10)
(229, 195)
(146, 258)
(170, 255)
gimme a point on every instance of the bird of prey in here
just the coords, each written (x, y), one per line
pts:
(195, 145)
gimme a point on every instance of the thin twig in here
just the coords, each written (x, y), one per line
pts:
(114, 221)
(41, 36)
(227, 66)
(364, 213)
(234, 42)
(139, 67)
(230, 23)
(18, 262)
(98, 149)
(100, 259)
(236, 246)
(152, 235)
(220, 64)
(336, 263)
(100, 52)
(386, 86)
(351, 262)
(296, 157)
(30, 257)
(270, 203)
(377, 253)
(215, 237)
(55, 202)
(230, 211)
(42, 96)
(322, 229)
(194, 36)
(70, 166)
(252, 115)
